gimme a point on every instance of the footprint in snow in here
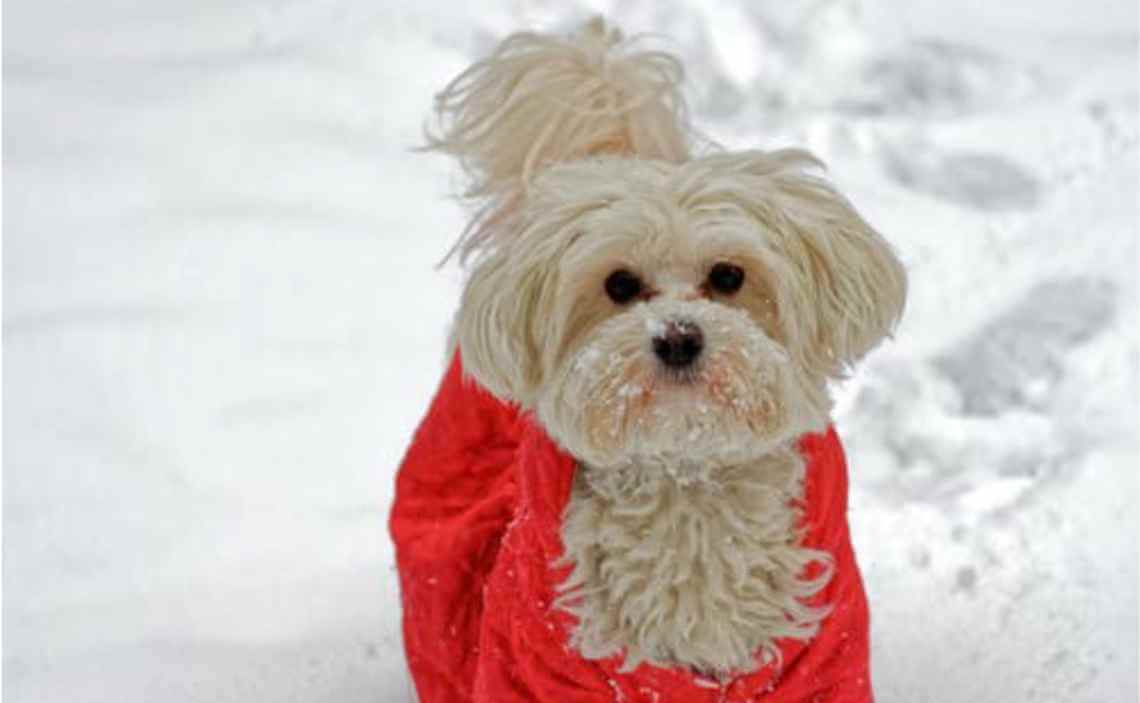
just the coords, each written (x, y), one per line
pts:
(981, 181)
(1018, 359)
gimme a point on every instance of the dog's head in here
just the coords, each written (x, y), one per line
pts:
(644, 304)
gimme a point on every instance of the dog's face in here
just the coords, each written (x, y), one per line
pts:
(677, 315)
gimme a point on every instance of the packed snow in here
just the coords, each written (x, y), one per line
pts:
(222, 324)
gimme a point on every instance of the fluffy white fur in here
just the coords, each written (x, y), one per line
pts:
(702, 571)
(540, 99)
(681, 527)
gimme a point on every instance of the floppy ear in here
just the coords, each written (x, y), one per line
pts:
(854, 283)
(857, 283)
(847, 288)
(496, 324)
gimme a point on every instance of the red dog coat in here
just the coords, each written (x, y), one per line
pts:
(476, 523)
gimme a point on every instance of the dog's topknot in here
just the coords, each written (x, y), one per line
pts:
(541, 99)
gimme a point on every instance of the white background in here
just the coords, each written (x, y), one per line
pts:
(222, 324)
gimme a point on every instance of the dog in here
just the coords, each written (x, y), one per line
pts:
(627, 487)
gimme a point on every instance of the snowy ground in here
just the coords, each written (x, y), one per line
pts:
(221, 325)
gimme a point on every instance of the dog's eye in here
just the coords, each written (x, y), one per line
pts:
(622, 286)
(726, 278)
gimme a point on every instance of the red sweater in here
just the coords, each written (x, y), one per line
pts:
(476, 523)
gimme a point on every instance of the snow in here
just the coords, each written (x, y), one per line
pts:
(222, 325)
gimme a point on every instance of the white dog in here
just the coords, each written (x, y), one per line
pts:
(672, 321)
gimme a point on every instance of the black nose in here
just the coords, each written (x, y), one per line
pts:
(680, 345)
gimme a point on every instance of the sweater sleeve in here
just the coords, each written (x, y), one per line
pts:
(455, 494)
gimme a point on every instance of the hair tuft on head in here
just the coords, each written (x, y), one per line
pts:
(542, 99)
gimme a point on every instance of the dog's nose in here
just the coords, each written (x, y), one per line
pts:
(680, 344)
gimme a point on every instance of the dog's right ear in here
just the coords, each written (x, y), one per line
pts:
(495, 327)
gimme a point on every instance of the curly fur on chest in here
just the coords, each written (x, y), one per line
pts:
(696, 567)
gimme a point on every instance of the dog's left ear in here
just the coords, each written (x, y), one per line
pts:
(848, 288)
